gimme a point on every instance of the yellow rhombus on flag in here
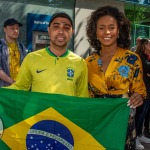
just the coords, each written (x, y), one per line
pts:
(16, 135)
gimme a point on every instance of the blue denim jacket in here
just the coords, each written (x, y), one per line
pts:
(4, 58)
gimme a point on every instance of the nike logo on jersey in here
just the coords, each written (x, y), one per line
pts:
(39, 71)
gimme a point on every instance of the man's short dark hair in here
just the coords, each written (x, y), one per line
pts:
(60, 14)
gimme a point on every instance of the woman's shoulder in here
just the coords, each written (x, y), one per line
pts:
(92, 56)
(129, 53)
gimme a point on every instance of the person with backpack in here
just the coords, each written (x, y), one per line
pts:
(12, 52)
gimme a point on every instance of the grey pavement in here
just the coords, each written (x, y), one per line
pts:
(146, 146)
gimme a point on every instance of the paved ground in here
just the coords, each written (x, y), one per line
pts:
(147, 146)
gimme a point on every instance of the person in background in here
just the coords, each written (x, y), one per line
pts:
(113, 70)
(55, 69)
(12, 52)
(133, 49)
(147, 124)
(143, 50)
(147, 119)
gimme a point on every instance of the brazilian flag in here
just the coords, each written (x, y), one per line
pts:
(39, 121)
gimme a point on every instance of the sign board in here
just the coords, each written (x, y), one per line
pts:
(37, 23)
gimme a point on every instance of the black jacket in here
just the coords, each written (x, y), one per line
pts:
(146, 69)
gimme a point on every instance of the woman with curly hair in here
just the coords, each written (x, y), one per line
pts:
(143, 49)
(114, 71)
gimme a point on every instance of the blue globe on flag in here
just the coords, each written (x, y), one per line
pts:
(49, 135)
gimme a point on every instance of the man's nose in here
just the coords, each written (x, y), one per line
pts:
(61, 30)
(16, 30)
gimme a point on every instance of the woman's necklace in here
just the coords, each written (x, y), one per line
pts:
(104, 55)
(108, 55)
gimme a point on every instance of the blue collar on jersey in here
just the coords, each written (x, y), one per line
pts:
(52, 54)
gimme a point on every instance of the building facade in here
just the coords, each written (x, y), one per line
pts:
(35, 14)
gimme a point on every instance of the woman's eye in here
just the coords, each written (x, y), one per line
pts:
(112, 28)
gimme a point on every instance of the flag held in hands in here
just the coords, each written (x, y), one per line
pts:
(39, 121)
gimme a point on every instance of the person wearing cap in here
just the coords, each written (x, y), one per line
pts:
(12, 52)
(55, 69)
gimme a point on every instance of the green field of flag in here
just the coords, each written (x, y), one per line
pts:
(38, 121)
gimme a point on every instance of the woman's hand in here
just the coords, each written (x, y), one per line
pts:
(148, 74)
(135, 100)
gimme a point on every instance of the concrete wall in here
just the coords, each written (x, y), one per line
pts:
(83, 9)
(19, 11)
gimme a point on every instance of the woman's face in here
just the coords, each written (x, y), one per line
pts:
(107, 30)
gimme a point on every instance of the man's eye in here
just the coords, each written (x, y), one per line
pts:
(55, 27)
(67, 28)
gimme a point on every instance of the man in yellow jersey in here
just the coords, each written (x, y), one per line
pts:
(55, 69)
(12, 52)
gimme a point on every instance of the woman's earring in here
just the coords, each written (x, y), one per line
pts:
(118, 35)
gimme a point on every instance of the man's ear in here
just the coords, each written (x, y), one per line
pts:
(4, 29)
(73, 31)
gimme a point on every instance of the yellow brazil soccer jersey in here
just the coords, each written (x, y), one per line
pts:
(51, 74)
(124, 74)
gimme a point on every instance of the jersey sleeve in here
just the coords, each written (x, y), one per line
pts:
(82, 83)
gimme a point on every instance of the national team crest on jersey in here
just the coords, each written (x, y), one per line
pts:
(70, 73)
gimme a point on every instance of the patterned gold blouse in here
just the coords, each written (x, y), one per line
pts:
(123, 75)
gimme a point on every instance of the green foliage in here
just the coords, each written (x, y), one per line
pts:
(135, 15)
